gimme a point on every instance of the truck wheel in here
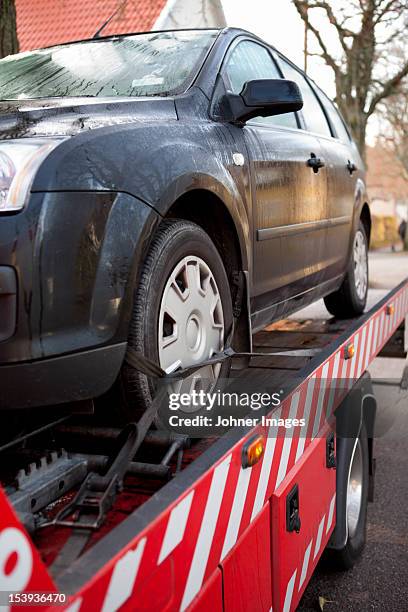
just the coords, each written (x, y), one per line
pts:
(182, 311)
(356, 500)
(351, 299)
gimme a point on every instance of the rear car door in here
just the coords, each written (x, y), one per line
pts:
(289, 198)
(344, 167)
(314, 122)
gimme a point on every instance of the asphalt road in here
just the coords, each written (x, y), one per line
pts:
(380, 580)
(387, 269)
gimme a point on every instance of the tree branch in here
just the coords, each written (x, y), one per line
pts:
(302, 7)
(343, 32)
(390, 6)
(388, 88)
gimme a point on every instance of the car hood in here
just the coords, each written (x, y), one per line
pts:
(69, 116)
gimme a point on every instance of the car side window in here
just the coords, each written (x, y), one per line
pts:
(336, 120)
(249, 61)
(313, 113)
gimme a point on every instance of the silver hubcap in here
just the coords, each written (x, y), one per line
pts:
(191, 320)
(354, 490)
(360, 265)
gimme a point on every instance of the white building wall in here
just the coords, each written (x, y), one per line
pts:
(191, 14)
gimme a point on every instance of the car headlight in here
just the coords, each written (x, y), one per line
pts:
(19, 161)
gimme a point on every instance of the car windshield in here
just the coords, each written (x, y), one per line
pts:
(153, 64)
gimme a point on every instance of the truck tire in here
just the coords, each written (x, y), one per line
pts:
(351, 298)
(355, 498)
(182, 310)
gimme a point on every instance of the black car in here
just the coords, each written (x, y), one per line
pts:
(152, 186)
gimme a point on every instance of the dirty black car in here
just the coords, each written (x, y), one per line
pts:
(152, 186)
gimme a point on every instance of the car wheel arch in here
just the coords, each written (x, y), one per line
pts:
(365, 217)
(210, 212)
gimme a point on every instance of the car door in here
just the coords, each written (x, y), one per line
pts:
(344, 168)
(314, 121)
(289, 198)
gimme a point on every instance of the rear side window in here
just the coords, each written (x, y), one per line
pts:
(313, 113)
(335, 119)
(250, 61)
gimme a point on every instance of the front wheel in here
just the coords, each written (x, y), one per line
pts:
(351, 299)
(182, 312)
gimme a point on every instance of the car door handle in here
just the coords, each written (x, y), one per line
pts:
(315, 162)
(351, 167)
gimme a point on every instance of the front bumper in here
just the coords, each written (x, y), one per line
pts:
(69, 263)
(8, 302)
(68, 378)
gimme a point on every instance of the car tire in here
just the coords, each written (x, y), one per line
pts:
(351, 298)
(176, 241)
(358, 471)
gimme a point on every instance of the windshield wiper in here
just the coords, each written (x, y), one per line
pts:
(107, 22)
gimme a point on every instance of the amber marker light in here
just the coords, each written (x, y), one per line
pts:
(253, 450)
(349, 351)
(390, 310)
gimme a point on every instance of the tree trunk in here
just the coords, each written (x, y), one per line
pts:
(8, 28)
(355, 119)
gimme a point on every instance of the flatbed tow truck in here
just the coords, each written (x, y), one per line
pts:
(94, 518)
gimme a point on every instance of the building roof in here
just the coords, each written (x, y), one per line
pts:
(41, 23)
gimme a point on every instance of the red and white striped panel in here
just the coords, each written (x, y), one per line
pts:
(316, 486)
(301, 574)
(166, 565)
(21, 568)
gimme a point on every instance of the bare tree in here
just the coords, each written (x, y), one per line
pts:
(355, 46)
(8, 28)
(394, 136)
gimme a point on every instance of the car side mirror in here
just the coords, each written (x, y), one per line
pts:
(263, 98)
